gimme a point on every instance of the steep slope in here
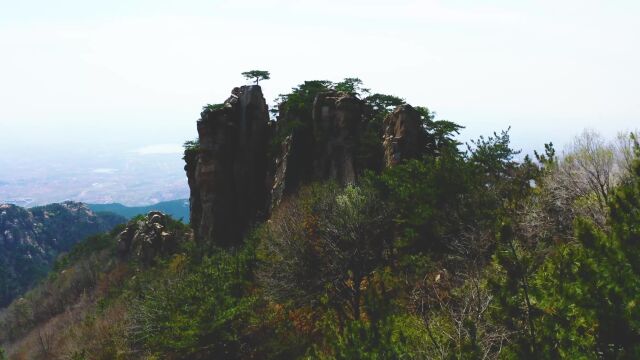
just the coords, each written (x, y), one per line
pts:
(227, 174)
(31, 239)
(82, 308)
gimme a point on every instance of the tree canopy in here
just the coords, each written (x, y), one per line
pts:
(256, 75)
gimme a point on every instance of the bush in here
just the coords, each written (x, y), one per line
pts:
(323, 247)
(391, 338)
(196, 310)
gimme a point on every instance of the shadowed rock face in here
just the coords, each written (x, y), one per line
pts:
(403, 138)
(236, 177)
(322, 147)
(227, 175)
(337, 118)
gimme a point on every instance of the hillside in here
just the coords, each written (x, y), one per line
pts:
(31, 239)
(178, 209)
(356, 227)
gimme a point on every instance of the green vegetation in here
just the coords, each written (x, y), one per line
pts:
(352, 86)
(187, 310)
(178, 209)
(256, 75)
(213, 107)
(294, 115)
(33, 238)
(191, 149)
(460, 254)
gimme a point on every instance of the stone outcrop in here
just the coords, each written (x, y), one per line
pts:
(227, 175)
(146, 239)
(245, 164)
(402, 136)
(337, 118)
(322, 147)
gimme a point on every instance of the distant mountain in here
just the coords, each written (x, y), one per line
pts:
(31, 239)
(178, 209)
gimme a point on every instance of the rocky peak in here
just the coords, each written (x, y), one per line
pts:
(236, 177)
(337, 118)
(227, 175)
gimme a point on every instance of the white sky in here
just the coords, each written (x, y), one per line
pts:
(125, 74)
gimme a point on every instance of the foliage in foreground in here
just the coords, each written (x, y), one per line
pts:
(191, 311)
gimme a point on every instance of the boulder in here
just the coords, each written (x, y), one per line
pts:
(146, 239)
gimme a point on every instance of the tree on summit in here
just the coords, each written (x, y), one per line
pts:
(256, 75)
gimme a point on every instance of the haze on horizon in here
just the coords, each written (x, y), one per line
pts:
(84, 81)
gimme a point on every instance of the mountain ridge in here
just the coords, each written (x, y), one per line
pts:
(31, 239)
(178, 209)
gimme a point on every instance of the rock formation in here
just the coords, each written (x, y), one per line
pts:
(402, 136)
(322, 147)
(244, 164)
(146, 239)
(336, 122)
(227, 175)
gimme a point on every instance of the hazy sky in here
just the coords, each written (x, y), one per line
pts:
(123, 74)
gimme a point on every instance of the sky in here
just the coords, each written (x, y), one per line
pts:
(79, 76)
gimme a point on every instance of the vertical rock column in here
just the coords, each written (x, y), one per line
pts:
(336, 119)
(403, 136)
(322, 147)
(227, 172)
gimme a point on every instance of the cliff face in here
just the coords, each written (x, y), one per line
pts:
(30, 240)
(227, 174)
(243, 165)
(402, 140)
(321, 147)
(337, 118)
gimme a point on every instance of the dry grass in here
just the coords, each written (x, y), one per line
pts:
(80, 331)
(73, 327)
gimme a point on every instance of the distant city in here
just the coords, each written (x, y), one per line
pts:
(133, 178)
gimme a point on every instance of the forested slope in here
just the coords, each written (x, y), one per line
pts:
(31, 239)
